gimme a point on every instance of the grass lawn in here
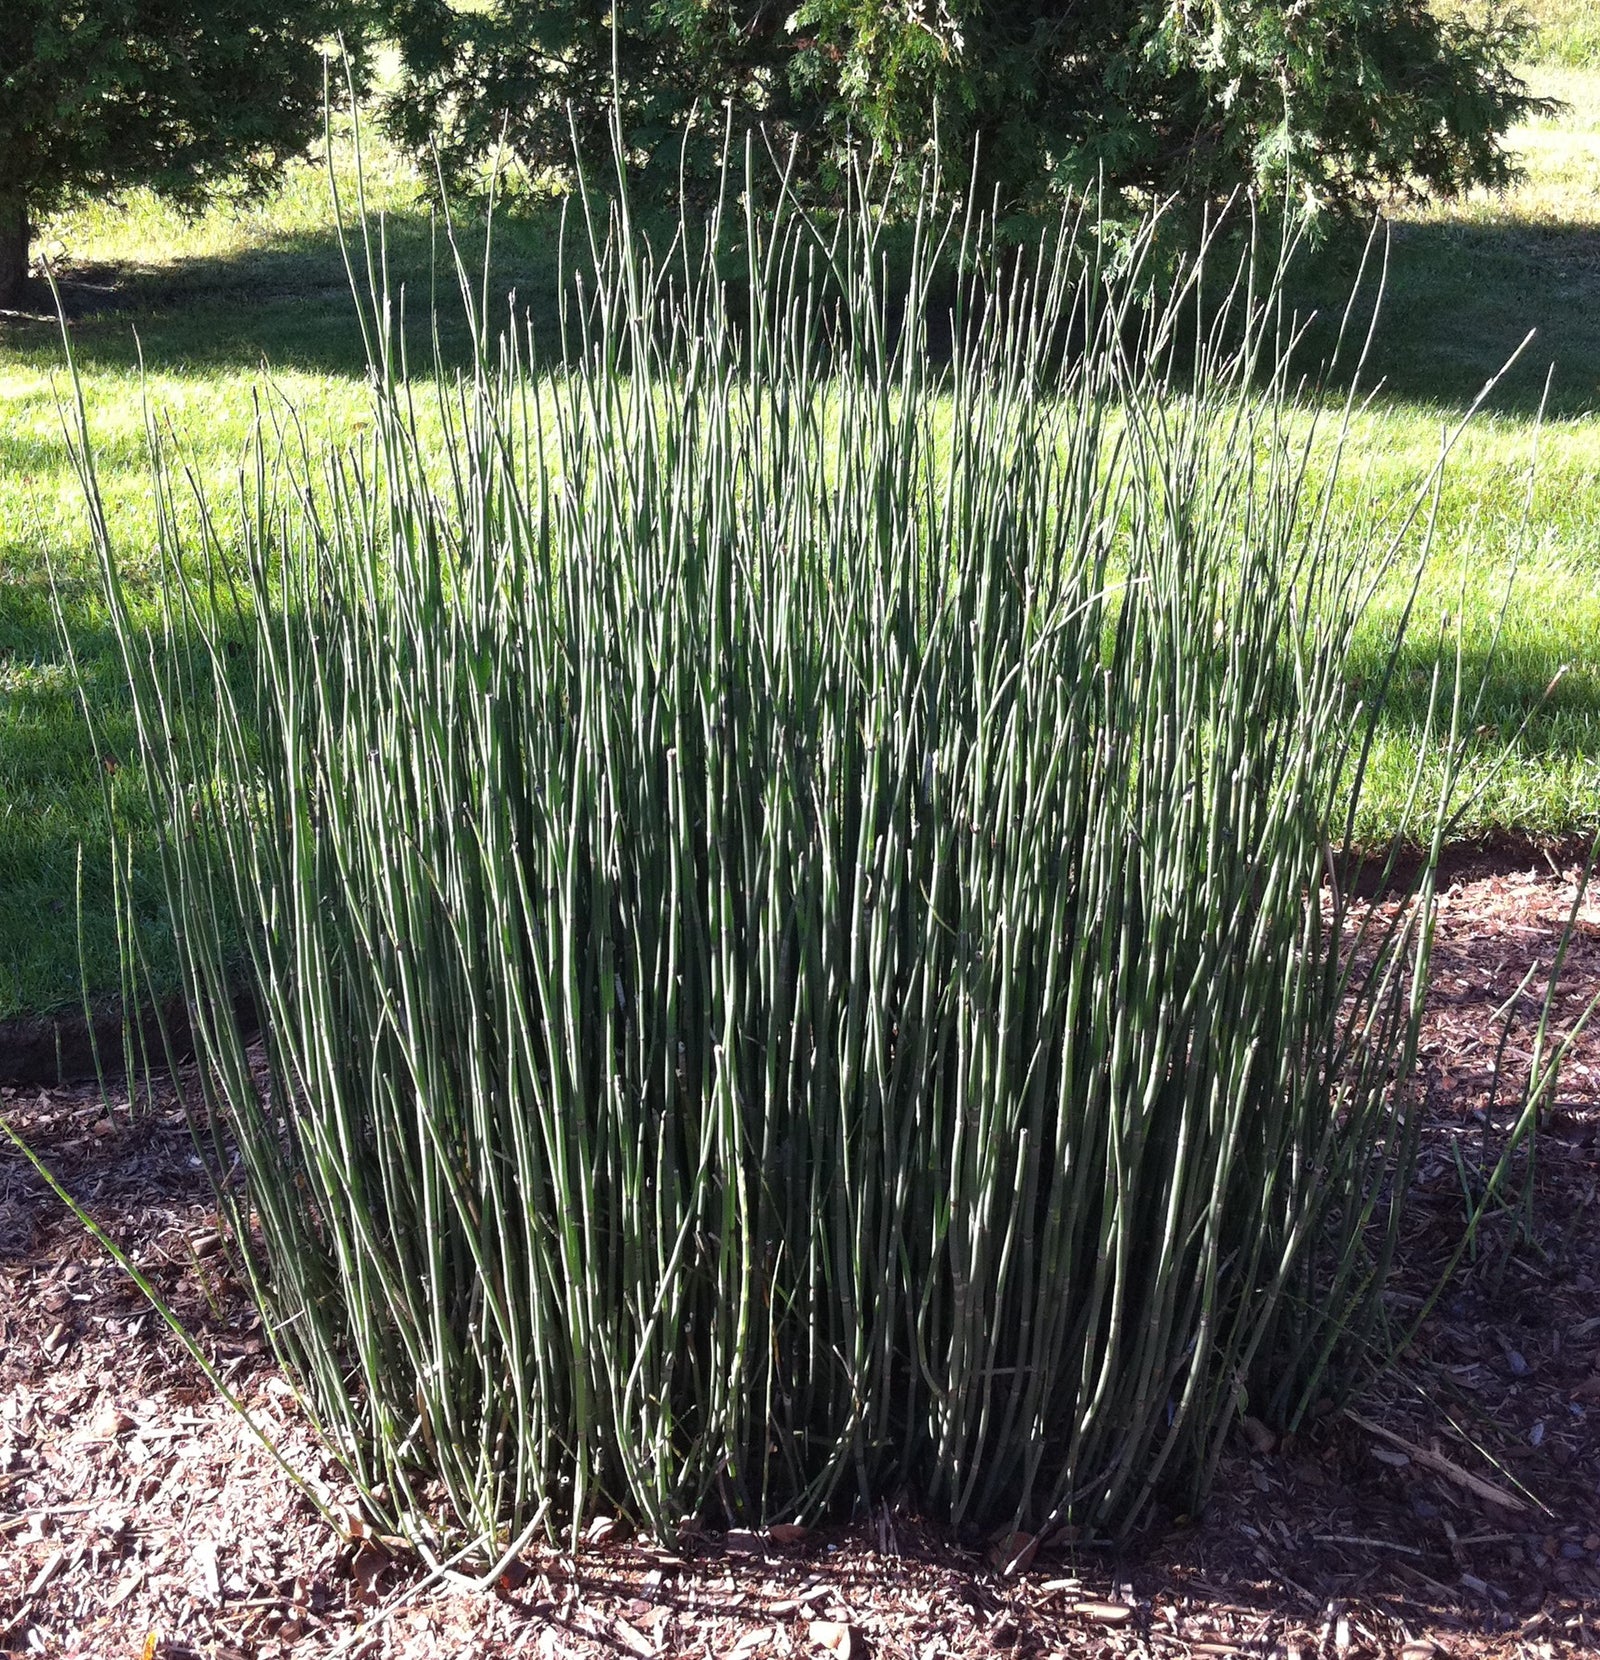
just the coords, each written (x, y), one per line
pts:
(1467, 281)
(246, 301)
(196, 321)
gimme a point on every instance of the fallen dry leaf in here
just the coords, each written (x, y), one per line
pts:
(833, 1636)
(368, 1568)
(1013, 1553)
(631, 1637)
(110, 1422)
(1103, 1613)
(1261, 1439)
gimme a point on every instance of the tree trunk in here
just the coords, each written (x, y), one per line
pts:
(14, 234)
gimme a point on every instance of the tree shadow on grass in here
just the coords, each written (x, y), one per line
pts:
(1527, 686)
(58, 914)
(287, 304)
(1458, 301)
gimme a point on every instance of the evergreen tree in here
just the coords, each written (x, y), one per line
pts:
(1342, 100)
(96, 95)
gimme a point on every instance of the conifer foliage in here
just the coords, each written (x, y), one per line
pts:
(1337, 101)
(98, 95)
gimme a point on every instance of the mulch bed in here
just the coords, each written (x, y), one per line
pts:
(1455, 1509)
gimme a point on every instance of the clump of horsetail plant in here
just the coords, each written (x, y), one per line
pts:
(783, 876)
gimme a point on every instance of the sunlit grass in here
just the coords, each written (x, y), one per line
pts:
(1569, 31)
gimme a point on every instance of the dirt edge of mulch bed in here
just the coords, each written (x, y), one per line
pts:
(71, 1047)
(1454, 1510)
(1473, 859)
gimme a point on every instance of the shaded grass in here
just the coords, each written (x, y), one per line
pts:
(51, 773)
(1468, 279)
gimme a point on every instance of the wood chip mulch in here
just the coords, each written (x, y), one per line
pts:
(1454, 1510)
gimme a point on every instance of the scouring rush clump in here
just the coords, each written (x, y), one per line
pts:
(783, 875)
